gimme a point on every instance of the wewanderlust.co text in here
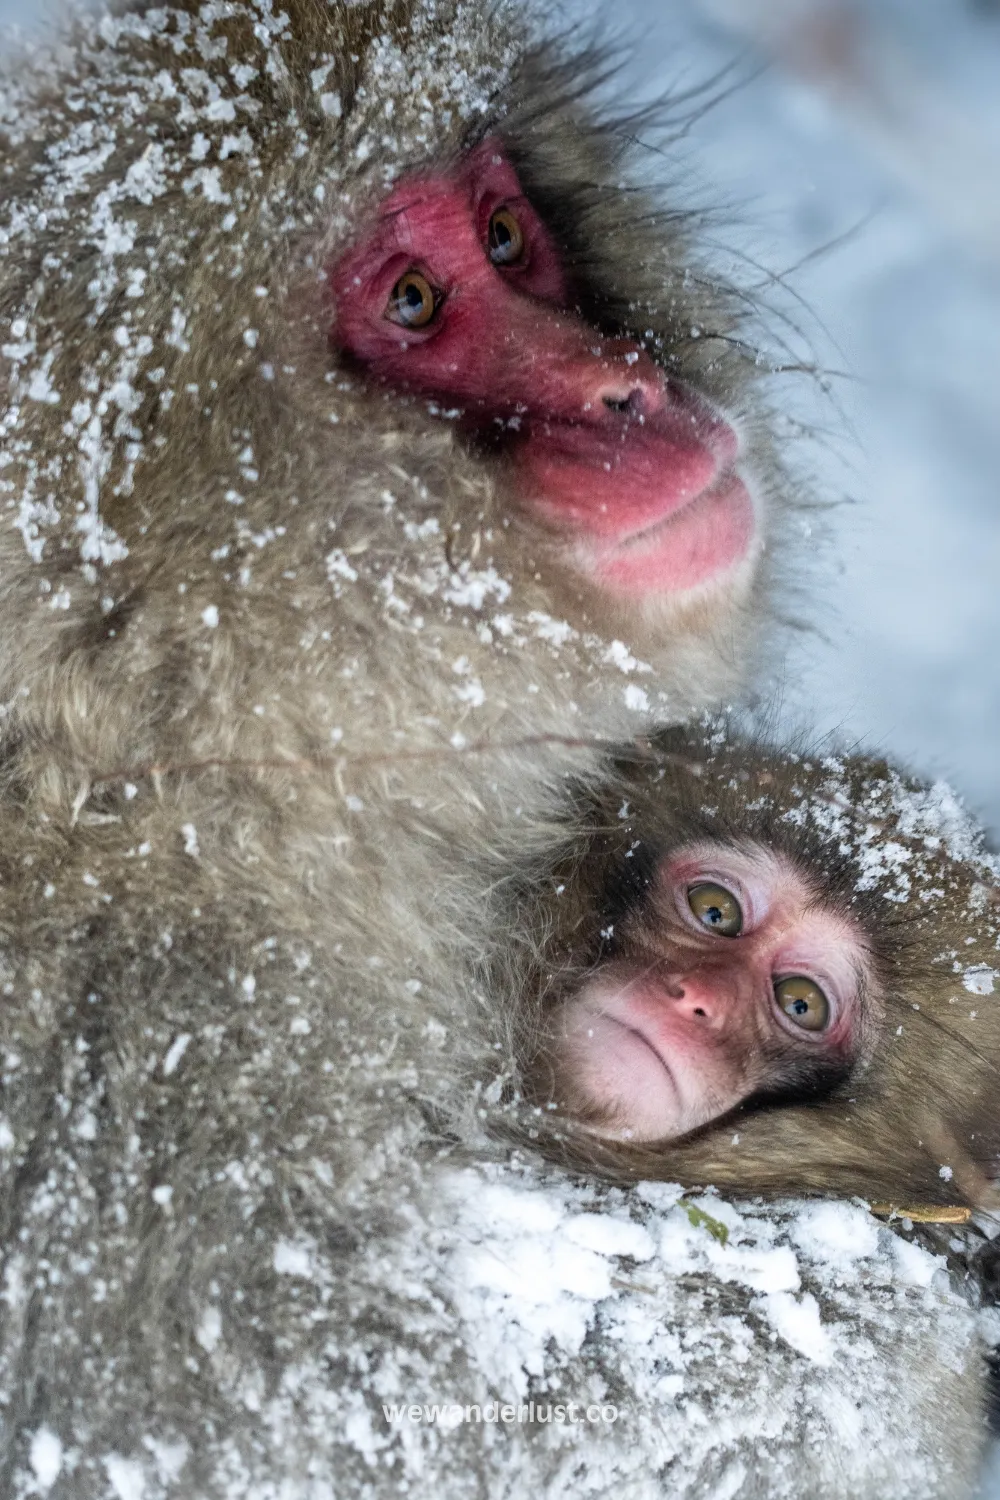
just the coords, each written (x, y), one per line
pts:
(452, 1414)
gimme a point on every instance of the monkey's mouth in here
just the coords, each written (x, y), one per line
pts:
(702, 541)
(620, 1078)
(642, 1040)
(653, 507)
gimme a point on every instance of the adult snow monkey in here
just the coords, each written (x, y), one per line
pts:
(364, 441)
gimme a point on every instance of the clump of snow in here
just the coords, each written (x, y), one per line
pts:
(690, 1299)
(293, 1258)
(46, 1457)
(980, 979)
(126, 1477)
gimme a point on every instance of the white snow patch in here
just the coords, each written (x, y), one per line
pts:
(836, 1235)
(125, 1477)
(46, 1456)
(175, 1052)
(209, 1329)
(797, 1321)
(916, 1266)
(293, 1258)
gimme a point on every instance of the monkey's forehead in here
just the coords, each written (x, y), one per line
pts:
(208, 101)
(896, 828)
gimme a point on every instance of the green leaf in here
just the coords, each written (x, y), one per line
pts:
(699, 1219)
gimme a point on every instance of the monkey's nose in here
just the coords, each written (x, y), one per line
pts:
(628, 382)
(630, 403)
(703, 1002)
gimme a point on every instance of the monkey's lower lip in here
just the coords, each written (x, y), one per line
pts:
(706, 537)
(655, 508)
(646, 1047)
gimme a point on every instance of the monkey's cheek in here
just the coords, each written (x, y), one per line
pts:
(702, 543)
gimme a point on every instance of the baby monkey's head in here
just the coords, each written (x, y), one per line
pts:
(761, 968)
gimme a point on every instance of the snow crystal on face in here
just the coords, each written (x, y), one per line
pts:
(980, 979)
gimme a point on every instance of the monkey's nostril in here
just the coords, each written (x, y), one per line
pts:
(698, 1011)
(618, 403)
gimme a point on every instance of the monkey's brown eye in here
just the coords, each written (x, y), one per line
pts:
(717, 908)
(506, 238)
(803, 1002)
(412, 302)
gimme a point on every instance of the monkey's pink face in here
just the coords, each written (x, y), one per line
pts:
(458, 293)
(733, 982)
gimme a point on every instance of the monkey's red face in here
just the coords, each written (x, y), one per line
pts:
(733, 981)
(458, 293)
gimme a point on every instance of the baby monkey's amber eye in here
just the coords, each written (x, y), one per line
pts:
(412, 302)
(717, 908)
(803, 1002)
(506, 238)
